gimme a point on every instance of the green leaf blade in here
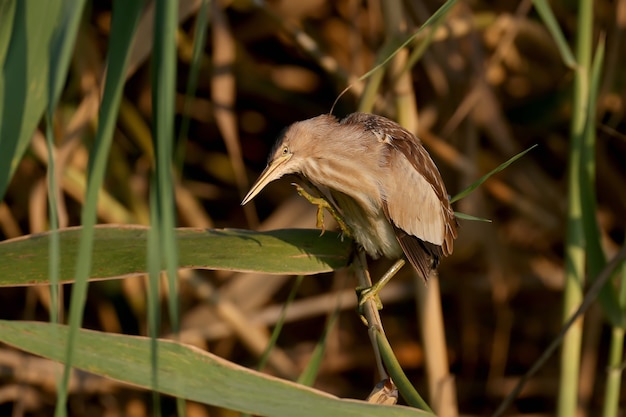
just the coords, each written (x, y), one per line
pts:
(187, 372)
(120, 251)
(485, 177)
(24, 77)
(549, 19)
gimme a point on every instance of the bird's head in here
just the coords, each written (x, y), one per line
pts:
(300, 142)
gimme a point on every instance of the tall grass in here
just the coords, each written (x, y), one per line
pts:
(37, 42)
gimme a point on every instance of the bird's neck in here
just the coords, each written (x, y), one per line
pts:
(345, 175)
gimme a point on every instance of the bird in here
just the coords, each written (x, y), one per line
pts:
(379, 179)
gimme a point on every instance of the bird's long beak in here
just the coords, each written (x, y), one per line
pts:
(271, 173)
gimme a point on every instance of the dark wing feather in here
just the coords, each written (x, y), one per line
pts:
(416, 154)
(424, 256)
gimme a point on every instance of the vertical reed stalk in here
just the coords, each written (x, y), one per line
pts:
(575, 240)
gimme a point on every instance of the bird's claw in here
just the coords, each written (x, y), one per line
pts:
(317, 201)
(322, 204)
(365, 294)
(319, 222)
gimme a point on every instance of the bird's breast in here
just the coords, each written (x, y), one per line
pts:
(354, 185)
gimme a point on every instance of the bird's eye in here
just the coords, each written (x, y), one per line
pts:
(285, 150)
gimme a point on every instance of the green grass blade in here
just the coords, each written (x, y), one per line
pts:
(485, 177)
(596, 260)
(307, 377)
(154, 304)
(190, 373)
(124, 20)
(374, 81)
(575, 247)
(545, 12)
(279, 323)
(399, 45)
(164, 99)
(62, 44)
(464, 216)
(615, 371)
(54, 254)
(422, 46)
(615, 366)
(27, 29)
(199, 41)
(162, 242)
(163, 217)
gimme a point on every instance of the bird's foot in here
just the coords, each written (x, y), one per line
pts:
(322, 204)
(364, 295)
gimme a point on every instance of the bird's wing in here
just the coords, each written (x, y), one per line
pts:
(418, 203)
(412, 204)
(413, 208)
(416, 198)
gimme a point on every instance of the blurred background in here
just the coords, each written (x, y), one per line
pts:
(490, 84)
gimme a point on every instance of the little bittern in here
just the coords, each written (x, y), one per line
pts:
(379, 179)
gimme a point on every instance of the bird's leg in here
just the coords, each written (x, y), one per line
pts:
(371, 293)
(322, 204)
(369, 311)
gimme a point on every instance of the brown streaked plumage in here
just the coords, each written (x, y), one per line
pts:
(380, 179)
